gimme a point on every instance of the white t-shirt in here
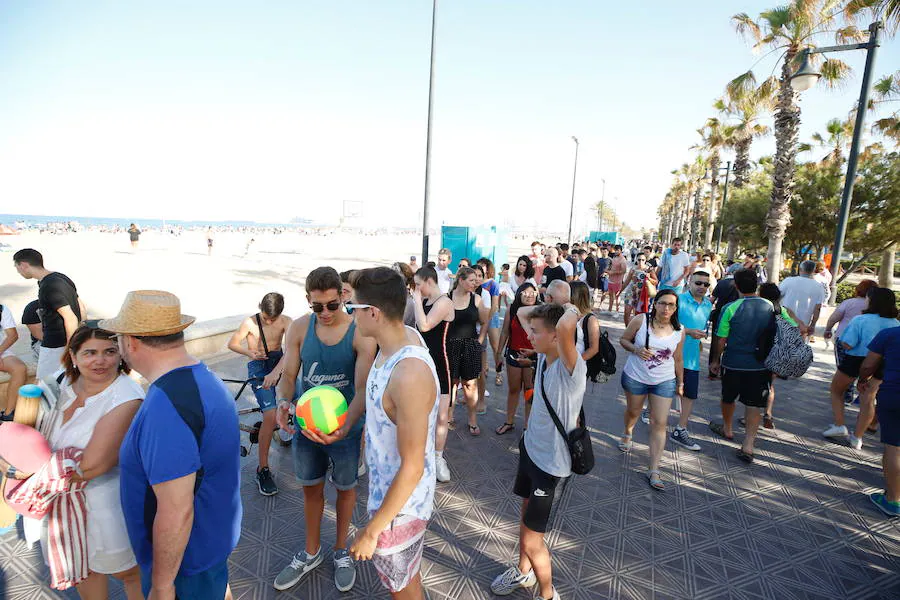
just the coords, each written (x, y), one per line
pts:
(443, 279)
(567, 267)
(6, 322)
(801, 295)
(677, 263)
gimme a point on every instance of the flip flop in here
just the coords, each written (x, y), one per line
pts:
(655, 480)
(719, 430)
(625, 446)
(474, 430)
(505, 428)
(744, 456)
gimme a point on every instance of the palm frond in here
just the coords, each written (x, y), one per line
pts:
(818, 138)
(804, 147)
(835, 73)
(780, 17)
(746, 26)
(849, 34)
(854, 8)
(741, 85)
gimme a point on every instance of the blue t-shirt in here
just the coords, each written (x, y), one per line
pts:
(743, 322)
(160, 447)
(887, 344)
(492, 287)
(693, 315)
(862, 329)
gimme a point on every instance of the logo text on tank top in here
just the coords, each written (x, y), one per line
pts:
(338, 380)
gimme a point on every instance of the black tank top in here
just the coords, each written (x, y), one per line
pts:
(435, 338)
(463, 325)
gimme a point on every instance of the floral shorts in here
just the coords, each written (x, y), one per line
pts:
(398, 553)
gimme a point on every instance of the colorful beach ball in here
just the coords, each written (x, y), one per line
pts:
(322, 409)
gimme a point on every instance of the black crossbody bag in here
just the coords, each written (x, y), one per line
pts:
(578, 440)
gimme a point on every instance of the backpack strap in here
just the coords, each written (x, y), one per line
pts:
(262, 336)
(553, 415)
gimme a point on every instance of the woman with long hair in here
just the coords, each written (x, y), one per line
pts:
(880, 313)
(582, 298)
(97, 402)
(519, 356)
(842, 315)
(637, 300)
(405, 271)
(464, 341)
(654, 370)
(490, 296)
(524, 273)
(434, 313)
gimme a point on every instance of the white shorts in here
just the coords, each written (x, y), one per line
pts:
(49, 361)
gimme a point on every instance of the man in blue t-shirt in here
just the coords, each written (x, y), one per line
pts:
(693, 313)
(883, 362)
(180, 459)
(746, 326)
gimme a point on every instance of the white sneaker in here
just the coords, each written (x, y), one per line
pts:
(855, 442)
(361, 468)
(442, 468)
(554, 597)
(487, 394)
(645, 416)
(510, 580)
(836, 431)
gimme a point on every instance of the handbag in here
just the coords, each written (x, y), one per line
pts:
(578, 440)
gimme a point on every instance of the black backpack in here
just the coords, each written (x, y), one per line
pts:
(605, 359)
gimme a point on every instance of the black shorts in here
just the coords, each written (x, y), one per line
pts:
(538, 487)
(850, 365)
(442, 369)
(464, 358)
(752, 387)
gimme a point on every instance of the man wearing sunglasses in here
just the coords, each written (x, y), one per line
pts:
(325, 348)
(694, 309)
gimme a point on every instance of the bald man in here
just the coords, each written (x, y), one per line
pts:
(558, 292)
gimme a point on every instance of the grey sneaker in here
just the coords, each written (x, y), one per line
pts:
(301, 564)
(683, 438)
(344, 570)
(510, 580)
(645, 416)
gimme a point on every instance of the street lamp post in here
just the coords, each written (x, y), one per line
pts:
(428, 141)
(574, 174)
(806, 77)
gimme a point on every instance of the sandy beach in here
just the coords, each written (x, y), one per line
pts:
(104, 267)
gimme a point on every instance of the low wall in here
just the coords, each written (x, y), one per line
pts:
(203, 340)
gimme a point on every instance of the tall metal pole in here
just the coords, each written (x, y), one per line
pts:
(722, 208)
(574, 174)
(850, 180)
(428, 140)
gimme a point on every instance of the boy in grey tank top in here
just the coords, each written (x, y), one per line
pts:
(325, 348)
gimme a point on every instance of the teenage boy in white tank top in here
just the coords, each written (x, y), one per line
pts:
(402, 398)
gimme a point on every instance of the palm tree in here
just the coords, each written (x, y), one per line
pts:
(887, 89)
(714, 139)
(746, 107)
(789, 29)
(881, 10)
(837, 137)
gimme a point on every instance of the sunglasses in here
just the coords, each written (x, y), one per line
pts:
(359, 306)
(332, 306)
(703, 283)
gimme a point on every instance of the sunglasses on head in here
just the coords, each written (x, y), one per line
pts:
(332, 306)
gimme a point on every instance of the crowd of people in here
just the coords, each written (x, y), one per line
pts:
(403, 345)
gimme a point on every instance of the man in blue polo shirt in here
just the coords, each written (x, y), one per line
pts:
(180, 460)
(883, 362)
(693, 313)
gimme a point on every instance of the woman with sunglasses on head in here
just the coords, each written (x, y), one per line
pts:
(654, 370)
(97, 402)
(490, 301)
(516, 350)
(434, 313)
(637, 300)
(464, 341)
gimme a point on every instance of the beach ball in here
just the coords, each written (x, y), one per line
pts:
(322, 409)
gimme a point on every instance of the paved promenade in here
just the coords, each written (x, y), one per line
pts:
(795, 524)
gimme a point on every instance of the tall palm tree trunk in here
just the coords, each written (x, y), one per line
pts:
(886, 272)
(741, 168)
(696, 220)
(787, 124)
(713, 209)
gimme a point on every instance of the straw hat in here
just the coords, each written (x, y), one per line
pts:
(149, 313)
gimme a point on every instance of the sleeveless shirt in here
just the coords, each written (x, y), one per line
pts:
(382, 455)
(464, 322)
(329, 365)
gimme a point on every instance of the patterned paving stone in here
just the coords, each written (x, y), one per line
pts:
(795, 524)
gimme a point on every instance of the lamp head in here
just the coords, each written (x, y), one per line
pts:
(806, 76)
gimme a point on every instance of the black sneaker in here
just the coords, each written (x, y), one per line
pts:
(7, 416)
(265, 482)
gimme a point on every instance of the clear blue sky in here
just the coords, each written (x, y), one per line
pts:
(280, 109)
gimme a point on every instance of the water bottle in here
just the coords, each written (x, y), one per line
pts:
(28, 405)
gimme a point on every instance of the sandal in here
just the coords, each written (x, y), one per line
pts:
(744, 456)
(451, 425)
(474, 430)
(719, 430)
(655, 480)
(505, 428)
(768, 422)
(625, 444)
(498, 380)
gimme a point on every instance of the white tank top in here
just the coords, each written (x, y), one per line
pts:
(382, 455)
(661, 367)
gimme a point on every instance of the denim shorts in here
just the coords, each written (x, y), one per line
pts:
(311, 460)
(666, 389)
(495, 323)
(265, 397)
(208, 585)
